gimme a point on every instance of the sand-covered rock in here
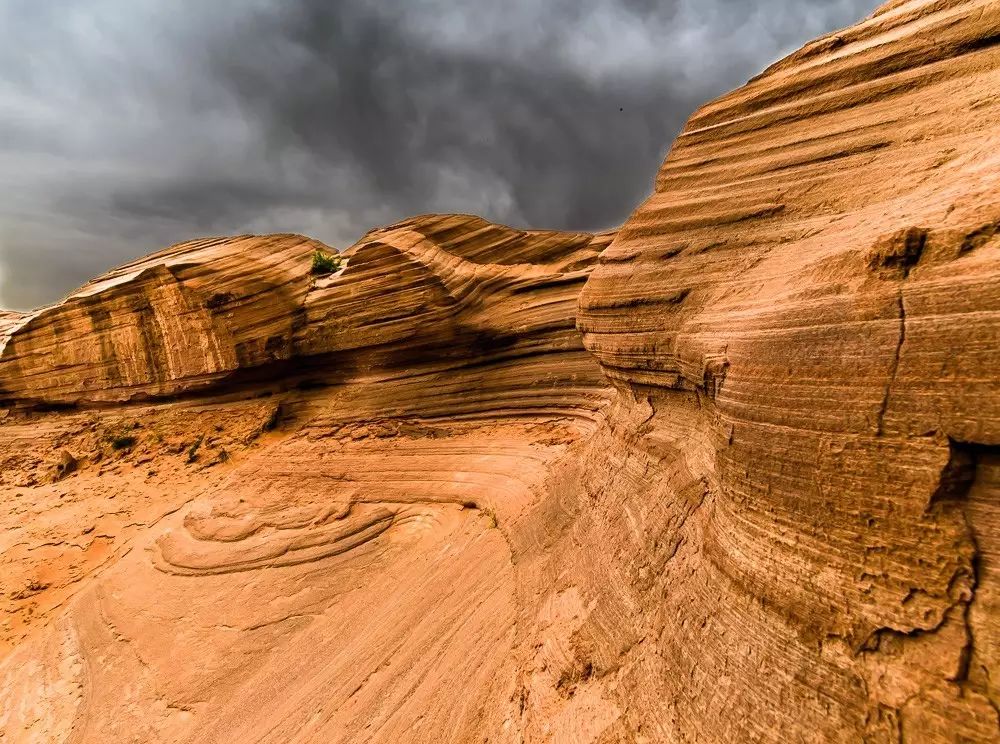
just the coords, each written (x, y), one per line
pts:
(325, 541)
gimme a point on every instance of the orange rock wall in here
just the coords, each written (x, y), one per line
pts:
(814, 288)
(167, 324)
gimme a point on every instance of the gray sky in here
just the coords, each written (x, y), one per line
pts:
(127, 125)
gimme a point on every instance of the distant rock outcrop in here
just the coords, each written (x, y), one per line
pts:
(171, 323)
(730, 474)
(449, 284)
(189, 317)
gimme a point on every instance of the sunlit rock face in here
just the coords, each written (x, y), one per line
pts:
(188, 318)
(809, 308)
(730, 473)
(168, 324)
(315, 548)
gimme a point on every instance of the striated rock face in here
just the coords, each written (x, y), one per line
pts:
(188, 317)
(167, 324)
(329, 557)
(729, 474)
(814, 291)
(449, 285)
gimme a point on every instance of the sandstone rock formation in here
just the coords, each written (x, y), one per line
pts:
(749, 491)
(164, 325)
(436, 377)
(192, 316)
(814, 288)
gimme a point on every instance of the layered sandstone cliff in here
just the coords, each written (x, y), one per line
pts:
(191, 317)
(169, 323)
(748, 491)
(321, 534)
(814, 287)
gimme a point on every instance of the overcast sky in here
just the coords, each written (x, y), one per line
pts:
(127, 125)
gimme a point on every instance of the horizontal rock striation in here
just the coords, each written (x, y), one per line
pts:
(814, 288)
(186, 319)
(332, 555)
(414, 288)
(168, 324)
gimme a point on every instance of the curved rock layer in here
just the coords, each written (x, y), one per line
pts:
(188, 317)
(448, 288)
(765, 506)
(330, 555)
(814, 288)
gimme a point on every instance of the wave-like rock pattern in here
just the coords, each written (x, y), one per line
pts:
(762, 504)
(429, 386)
(453, 285)
(186, 319)
(817, 276)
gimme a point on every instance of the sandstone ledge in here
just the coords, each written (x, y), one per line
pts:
(188, 318)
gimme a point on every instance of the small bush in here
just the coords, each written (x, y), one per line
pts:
(123, 441)
(192, 453)
(121, 437)
(324, 263)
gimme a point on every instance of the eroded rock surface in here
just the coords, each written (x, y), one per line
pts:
(167, 324)
(323, 538)
(753, 496)
(815, 287)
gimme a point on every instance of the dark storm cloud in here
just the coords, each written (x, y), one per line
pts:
(125, 126)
